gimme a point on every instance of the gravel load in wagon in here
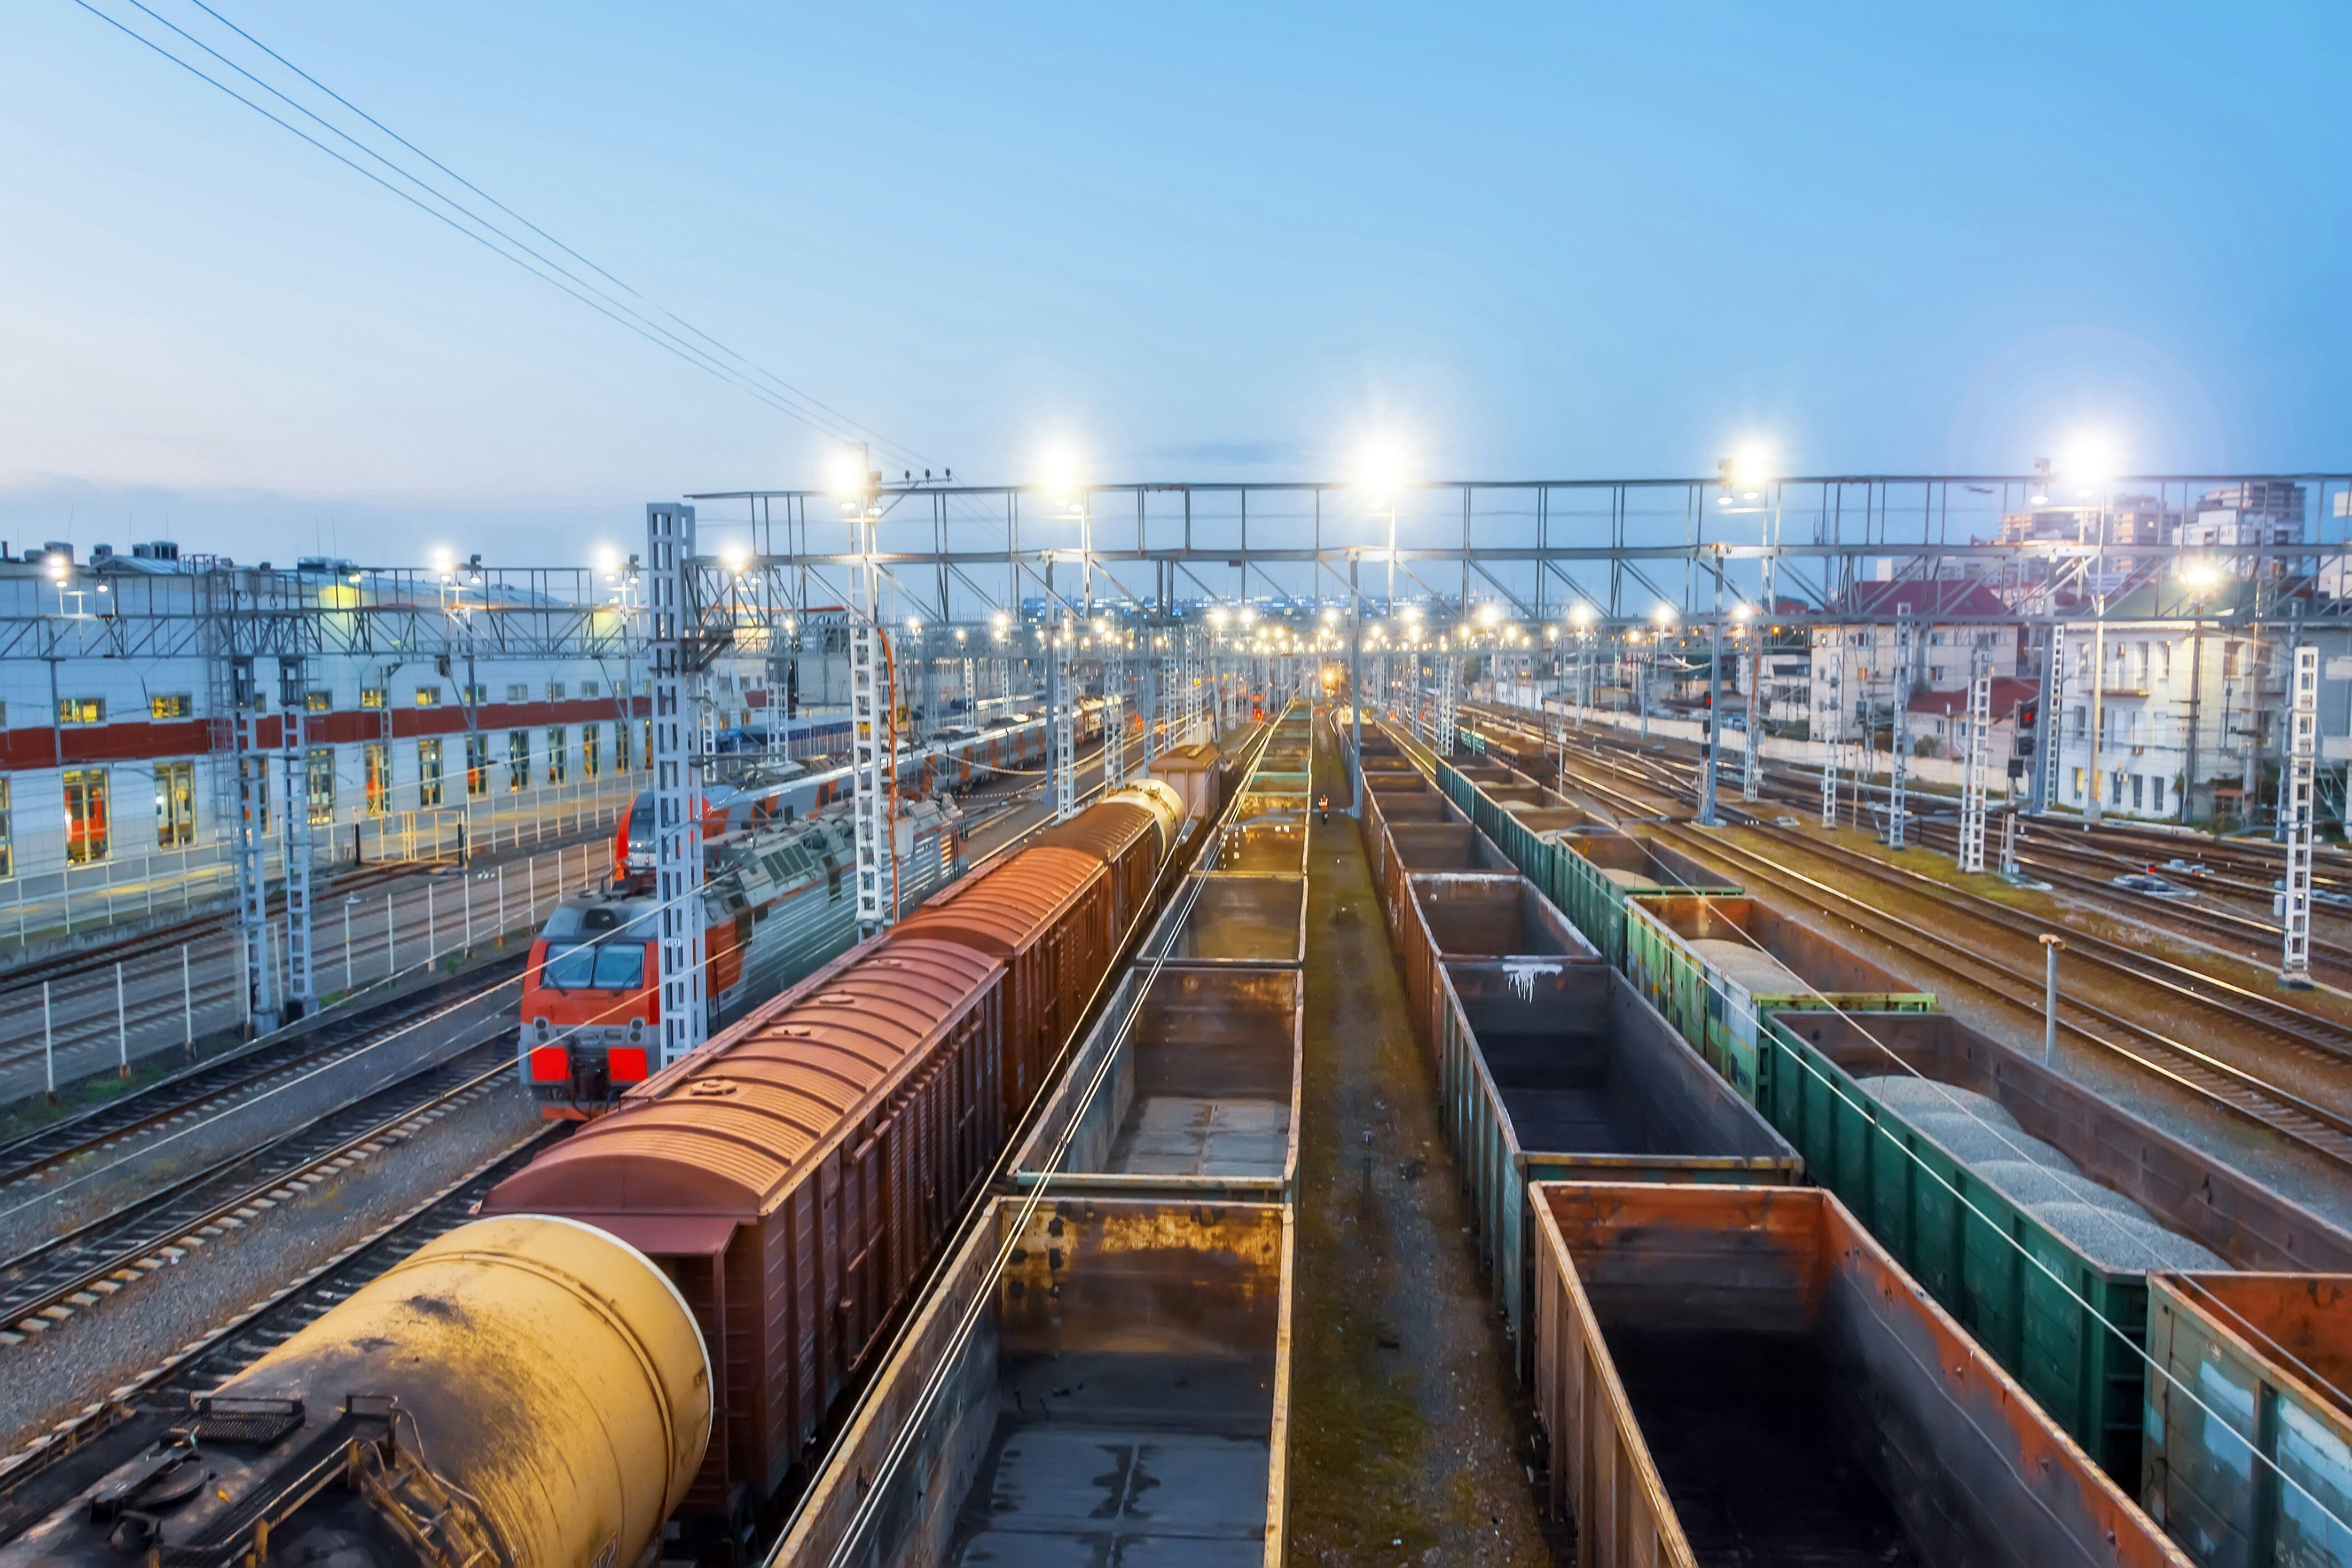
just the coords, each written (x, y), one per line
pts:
(2030, 1206)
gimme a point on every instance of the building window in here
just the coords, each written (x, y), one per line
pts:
(372, 696)
(2116, 788)
(319, 772)
(558, 755)
(86, 815)
(475, 696)
(428, 773)
(1935, 673)
(518, 760)
(518, 693)
(555, 691)
(649, 737)
(175, 705)
(375, 759)
(2156, 793)
(587, 689)
(621, 747)
(477, 764)
(176, 804)
(2078, 784)
(318, 702)
(428, 697)
(7, 843)
(2139, 787)
(81, 709)
(590, 735)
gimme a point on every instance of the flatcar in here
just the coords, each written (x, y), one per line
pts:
(779, 898)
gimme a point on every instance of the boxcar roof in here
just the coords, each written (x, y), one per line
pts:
(728, 1131)
(1012, 906)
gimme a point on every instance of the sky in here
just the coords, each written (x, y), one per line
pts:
(1201, 243)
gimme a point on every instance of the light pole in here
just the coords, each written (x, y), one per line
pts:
(1707, 818)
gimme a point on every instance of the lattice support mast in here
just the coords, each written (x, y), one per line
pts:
(253, 846)
(292, 738)
(1972, 773)
(676, 781)
(2303, 760)
(1899, 730)
(1445, 679)
(1833, 718)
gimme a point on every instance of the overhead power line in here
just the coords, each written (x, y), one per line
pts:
(718, 360)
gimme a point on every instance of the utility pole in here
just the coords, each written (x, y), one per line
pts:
(1972, 775)
(1356, 682)
(676, 786)
(2303, 755)
(1707, 818)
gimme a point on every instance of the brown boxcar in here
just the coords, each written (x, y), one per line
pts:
(794, 1183)
(1046, 914)
(1133, 832)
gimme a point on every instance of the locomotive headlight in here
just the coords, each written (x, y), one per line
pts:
(540, 1025)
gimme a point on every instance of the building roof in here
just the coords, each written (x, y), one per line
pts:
(2008, 691)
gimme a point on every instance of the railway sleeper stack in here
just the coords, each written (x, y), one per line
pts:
(2070, 1240)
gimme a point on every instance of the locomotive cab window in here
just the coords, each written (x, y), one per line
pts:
(596, 966)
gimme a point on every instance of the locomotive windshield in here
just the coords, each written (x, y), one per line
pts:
(595, 966)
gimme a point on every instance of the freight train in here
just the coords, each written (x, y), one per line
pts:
(659, 1314)
(780, 897)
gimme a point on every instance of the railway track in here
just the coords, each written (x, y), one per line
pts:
(45, 1285)
(2207, 1079)
(1676, 779)
(245, 1337)
(201, 1090)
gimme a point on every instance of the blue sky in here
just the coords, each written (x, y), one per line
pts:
(1202, 242)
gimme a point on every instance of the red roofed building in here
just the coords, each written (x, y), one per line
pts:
(1854, 661)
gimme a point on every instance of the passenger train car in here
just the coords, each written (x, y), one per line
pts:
(780, 898)
(957, 759)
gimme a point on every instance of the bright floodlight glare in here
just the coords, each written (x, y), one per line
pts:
(1057, 470)
(1330, 615)
(845, 471)
(1665, 613)
(1752, 465)
(1582, 615)
(2199, 574)
(1380, 470)
(1488, 615)
(2091, 461)
(1217, 616)
(607, 558)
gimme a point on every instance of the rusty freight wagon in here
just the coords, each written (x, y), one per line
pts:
(1254, 920)
(1048, 915)
(2250, 1426)
(1734, 1373)
(795, 1181)
(1465, 916)
(1713, 965)
(1556, 1071)
(2028, 1205)
(1120, 1393)
(1188, 1087)
(1132, 831)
